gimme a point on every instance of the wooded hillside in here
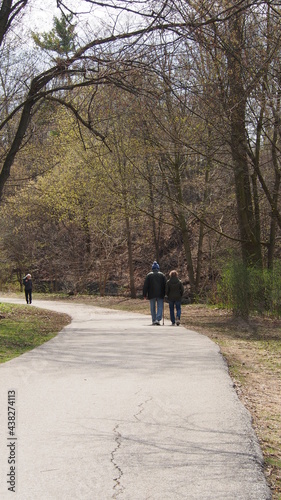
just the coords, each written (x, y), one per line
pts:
(138, 135)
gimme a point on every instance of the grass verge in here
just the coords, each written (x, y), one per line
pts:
(22, 328)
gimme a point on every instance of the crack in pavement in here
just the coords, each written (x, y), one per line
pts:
(141, 407)
(118, 488)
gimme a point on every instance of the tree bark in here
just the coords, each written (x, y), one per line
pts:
(249, 232)
(8, 13)
(37, 84)
(275, 198)
(130, 258)
(184, 230)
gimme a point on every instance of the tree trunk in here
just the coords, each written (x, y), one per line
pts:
(130, 258)
(24, 122)
(33, 96)
(8, 13)
(187, 250)
(155, 230)
(201, 224)
(275, 198)
(184, 229)
(249, 230)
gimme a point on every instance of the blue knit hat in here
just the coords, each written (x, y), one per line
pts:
(155, 266)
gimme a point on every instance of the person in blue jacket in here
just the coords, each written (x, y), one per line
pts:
(154, 290)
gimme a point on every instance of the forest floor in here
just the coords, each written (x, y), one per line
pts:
(253, 354)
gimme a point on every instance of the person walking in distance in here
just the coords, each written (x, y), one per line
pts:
(27, 281)
(154, 290)
(174, 292)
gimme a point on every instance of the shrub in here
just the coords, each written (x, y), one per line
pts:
(233, 288)
(250, 289)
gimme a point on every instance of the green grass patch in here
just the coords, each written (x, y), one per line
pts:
(23, 328)
(272, 460)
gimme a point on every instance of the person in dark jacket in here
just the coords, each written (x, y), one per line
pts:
(174, 292)
(27, 281)
(154, 290)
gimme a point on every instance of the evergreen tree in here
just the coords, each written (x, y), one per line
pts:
(61, 39)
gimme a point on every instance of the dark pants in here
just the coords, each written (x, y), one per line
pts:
(172, 304)
(28, 295)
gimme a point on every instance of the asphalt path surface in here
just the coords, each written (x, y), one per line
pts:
(114, 408)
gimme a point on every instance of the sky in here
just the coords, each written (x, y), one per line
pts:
(41, 13)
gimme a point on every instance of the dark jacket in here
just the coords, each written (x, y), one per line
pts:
(174, 289)
(27, 284)
(154, 285)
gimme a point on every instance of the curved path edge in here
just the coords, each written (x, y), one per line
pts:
(113, 408)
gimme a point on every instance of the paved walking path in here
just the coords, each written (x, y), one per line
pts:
(113, 408)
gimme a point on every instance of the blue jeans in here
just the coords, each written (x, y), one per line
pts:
(172, 304)
(156, 313)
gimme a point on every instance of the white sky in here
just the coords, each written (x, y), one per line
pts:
(40, 13)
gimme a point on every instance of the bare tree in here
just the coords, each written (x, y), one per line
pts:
(9, 12)
(108, 57)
